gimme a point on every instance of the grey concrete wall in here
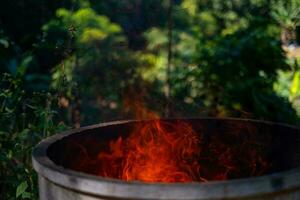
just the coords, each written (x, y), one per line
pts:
(51, 191)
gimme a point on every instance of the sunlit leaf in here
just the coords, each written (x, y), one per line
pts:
(21, 189)
(294, 89)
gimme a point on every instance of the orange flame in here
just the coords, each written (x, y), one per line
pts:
(155, 151)
(161, 151)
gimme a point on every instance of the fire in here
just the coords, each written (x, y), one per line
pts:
(172, 151)
(161, 152)
(155, 151)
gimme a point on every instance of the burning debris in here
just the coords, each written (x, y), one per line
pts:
(155, 152)
(162, 151)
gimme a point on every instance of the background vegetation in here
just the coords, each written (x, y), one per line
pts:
(68, 63)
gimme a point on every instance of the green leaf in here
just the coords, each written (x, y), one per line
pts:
(2, 133)
(294, 89)
(21, 189)
(26, 195)
(23, 134)
(4, 42)
(21, 70)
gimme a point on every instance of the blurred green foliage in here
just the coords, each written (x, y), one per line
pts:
(76, 62)
(25, 119)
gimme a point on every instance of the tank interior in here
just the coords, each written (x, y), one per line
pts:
(277, 145)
